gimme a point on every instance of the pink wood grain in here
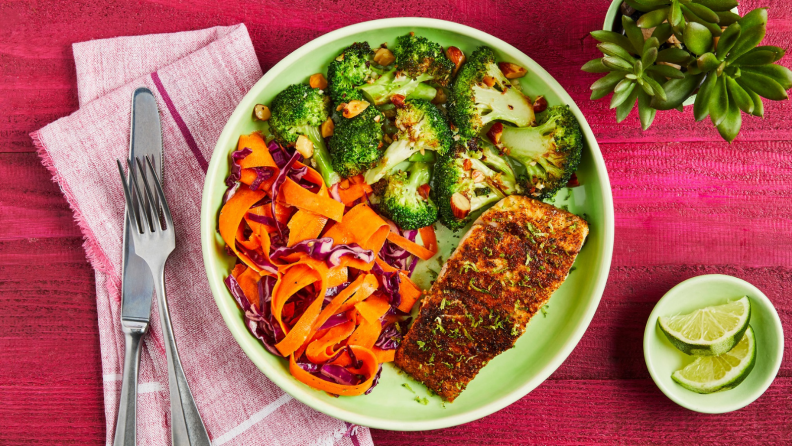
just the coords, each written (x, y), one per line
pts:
(686, 204)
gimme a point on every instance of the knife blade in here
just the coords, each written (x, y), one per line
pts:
(137, 283)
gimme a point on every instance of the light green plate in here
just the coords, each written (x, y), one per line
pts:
(548, 340)
(663, 359)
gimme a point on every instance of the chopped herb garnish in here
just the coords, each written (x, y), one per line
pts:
(442, 304)
(527, 259)
(467, 266)
(467, 335)
(487, 250)
(407, 386)
(544, 310)
(480, 290)
(421, 345)
(423, 401)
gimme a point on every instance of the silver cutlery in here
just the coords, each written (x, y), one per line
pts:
(154, 238)
(137, 285)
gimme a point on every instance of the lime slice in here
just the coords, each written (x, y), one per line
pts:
(710, 331)
(708, 374)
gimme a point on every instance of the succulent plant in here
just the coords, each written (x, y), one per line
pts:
(727, 68)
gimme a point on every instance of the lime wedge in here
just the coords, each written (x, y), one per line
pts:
(710, 331)
(708, 374)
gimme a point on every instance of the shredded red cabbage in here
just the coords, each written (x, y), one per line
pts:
(334, 321)
(276, 187)
(259, 322)
(333, 190)
(375, 382)
(323, 249)
(262, 174)
(340, 374)
(263, 219)
(258, 259)
(389, 338)
(389, 283)
(279, 154)
(236, 168)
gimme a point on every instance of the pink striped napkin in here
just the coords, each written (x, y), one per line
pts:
(198, 78)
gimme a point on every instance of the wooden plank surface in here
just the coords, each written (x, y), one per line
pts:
(686, 204)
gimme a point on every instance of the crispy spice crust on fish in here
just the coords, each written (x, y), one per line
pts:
(504, 270)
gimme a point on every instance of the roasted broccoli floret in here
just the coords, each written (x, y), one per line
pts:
(355, 75)
(406, 201)
(482, 94)
(356, 142)
(300, 110)
(421, 127)
(549, 153)
(467, 181)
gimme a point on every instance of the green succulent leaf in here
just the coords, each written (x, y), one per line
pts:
(657, 89)
(727, 17)
(634, 34)
(675, 17)
(677, 90)
(758, 109)
(719, 101)
(614, 50)
(666, 71)
(652, 19)
(727, 40)
(649, 57)
(739, 95)
(600, 93)
(691, 17)
(756, 57)
(611, 37)
(645, 111)
(617, 63)
(701, 106)
(663, 32)
(626, 107)
(608, 81)
(622, 96)
(718, 5)
(707, 62)
(779, 52)
(754, 27)
(778, 73)
(595, 66)
(644, 6)
(674, 55)
(730, 126)
(703, 12)
(697, 38)
(763, 85)
(623, 85)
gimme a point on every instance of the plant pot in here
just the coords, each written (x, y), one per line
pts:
(610, 19)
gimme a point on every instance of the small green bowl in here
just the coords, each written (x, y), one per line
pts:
(547, 341)
(662, 358)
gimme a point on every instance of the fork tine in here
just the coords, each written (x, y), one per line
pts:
(127, 196)
(144, 204)
(152, 212)
(161, 194)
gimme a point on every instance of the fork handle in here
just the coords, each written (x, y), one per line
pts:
(126, 422)
(187, 428)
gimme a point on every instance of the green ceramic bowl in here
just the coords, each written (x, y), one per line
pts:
(663, 359)
(548, 340)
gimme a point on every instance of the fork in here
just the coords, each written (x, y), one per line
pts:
(153, 243)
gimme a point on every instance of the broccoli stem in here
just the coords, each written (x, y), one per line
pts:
(321, 156)
(529, 144)
(423, 91)
(510, 106)
(380, 91)
(397, 152)
(420, 174)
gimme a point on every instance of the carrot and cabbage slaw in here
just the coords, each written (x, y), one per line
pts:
(321, 278)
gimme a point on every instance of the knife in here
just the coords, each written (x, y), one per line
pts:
(137, 283)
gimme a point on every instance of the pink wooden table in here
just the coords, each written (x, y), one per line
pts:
(686, 204)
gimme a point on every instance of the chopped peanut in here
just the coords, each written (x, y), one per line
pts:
(261, 112)
(384, 57)
(460, 205)
(540, 104)
(478, 176)
(354, 108)
(440, 97)
(495, 132)
(489, 80)
(328, 128)
(424, 191)
(398, 100)
(467, 164)
(304, 146)
(456, 56)
(318, 81)
(512, 71)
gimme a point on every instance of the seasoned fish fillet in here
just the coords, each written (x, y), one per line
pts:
(504, 270)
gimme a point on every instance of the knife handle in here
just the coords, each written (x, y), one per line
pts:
(187, 428)
(125, 424)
